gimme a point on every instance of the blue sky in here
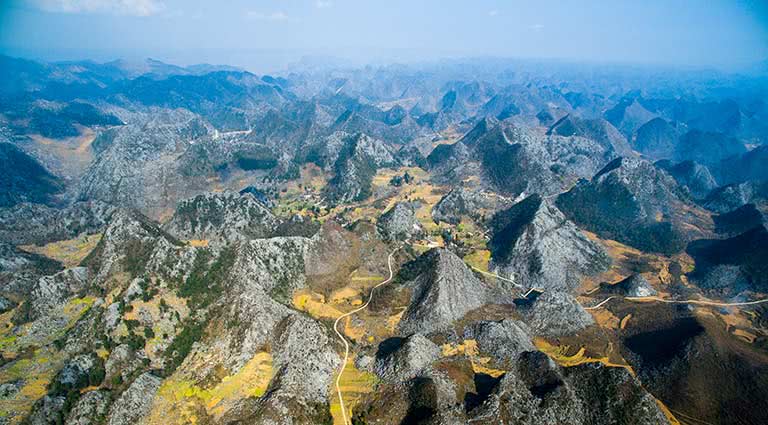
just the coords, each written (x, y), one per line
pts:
(255, 33)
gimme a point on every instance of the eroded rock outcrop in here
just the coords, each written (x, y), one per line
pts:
(633, 286)
(632, 201)
(399, 359)
(222, 217)
(399, 223)
(534, 244)
(444, 289)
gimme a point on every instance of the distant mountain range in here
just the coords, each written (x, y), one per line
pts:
(484, 241)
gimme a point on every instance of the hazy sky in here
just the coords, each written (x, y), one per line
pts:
(255, 33)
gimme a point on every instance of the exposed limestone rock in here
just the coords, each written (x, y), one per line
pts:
(555, 314)
(730, 197)
(633, 202)
(400, 359)
(537, 247)
(633, 286)
(504, 340)
(53, 291)
(465, 202)
(443, 291)
(692, 176)
(358, 159)
(90, 409)
(222, 217)
(135, 402)
(399, 223)
(36, 223)
(537, 391)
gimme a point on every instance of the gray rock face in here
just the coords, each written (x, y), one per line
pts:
(6, 304)
(133, 243)
(399, 223)
(633, 286)
(620, 395)
(465, 202)
(53, 291)
(264, 270)
(78, 372)
(443, 291)
(538, 391)
(358, 159)
(657, 139)
(90, 409)
(598, 130)
(504, 340)
(434, 391)
(555, 314)
(135, 402)
(222, 217)
(516, 161)
(406, 359)
(9, 389)
(632, 201)
(21, 271)
(692, 176)
(136, 164)
(305, 370)
(47, 410)
(728, 198)
(36, 223)
(304, 362)
(122, 361)
(537, 247)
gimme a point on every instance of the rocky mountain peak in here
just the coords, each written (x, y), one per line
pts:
(399, 222)
(223, 217)
(536, 246)
(444, 289)
(642, 200)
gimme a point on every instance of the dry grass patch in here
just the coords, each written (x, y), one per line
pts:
(567, 356)
(68, 252)
(355, 385)
(181, 401)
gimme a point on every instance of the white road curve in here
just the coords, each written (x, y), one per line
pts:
(496, 276)
(344, 340)
(662, 300)
(595, 307)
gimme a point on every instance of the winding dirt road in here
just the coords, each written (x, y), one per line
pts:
(697, 302)
(344, 340)
(645, 299)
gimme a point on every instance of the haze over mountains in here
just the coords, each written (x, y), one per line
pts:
(565, 243)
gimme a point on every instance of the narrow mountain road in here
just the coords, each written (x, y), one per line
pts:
(595, 307)
(698, 302)
(344, 340)
(496, 276)
(643, 299)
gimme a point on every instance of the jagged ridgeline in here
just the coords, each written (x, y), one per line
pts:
(475, 242)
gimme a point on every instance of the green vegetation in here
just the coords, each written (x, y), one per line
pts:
(137, 257)
(71, 390)
(182, 345)
(398, 181)
(255, 163)
(203, 283)
(134, 341)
